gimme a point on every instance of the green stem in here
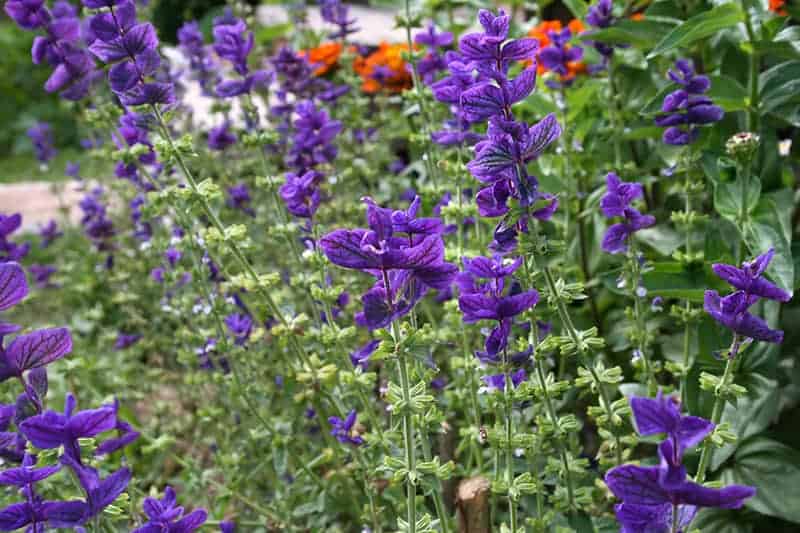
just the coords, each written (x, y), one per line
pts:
(508, 400)
(719, 404)
(408, 433)
(641, 327)
(573, 334)
(615, 135)
(438, 502)
(752, 81)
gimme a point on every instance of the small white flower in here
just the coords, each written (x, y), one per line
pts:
(785, 147)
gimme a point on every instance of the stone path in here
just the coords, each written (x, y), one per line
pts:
(40, 202)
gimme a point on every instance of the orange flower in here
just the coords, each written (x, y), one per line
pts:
(637, 17)
(776, 6)
(325, 56)
(540, 33)
(384, 69)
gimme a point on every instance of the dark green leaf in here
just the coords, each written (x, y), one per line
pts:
(673, 280)
(721, 521)
(579, 8)
(774, 469)
(751, 414)
(779, 85)
(731, 200)
(766, 231)
(641, 34)
(703, 25)
(728, 93)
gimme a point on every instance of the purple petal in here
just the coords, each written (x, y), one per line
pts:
(637, 485)
(13, 285)
(91, 422)
(39, 348)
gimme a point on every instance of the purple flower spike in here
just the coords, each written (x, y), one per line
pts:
(360, 357)
(220, 137)
(686, 108)
(732, 312)
(653, 496)
(51, 429)
(343, 429)
(166, 515)
(750, 278)
(41, 135)
(616, 203)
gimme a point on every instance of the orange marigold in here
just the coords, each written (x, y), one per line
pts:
(776, 6)
(637, 16)
(540, 33)
(384, 69)
(324, 57)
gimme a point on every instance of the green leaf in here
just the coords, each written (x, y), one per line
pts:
(579, 8)
(653, 105)
(663, 239)
(766, 231)
(728, 93)
(779, 85)
(751, 414)
(641, 34)
(721, 521)
(673, 280)
(698, 27)
(785, 45)
(731, 198)
(774, 469)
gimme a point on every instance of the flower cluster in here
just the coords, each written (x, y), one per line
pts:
(9, 250)
(131, 50)
(561, 57)
(601, 16)
(166, 515)
(324, 57)
(337, 13)
(62, 47)
(234, 42)
(41, 135)
(654, 496)
(499, 299)
(616, 202)
(434, 61)
(201, 61)
(686, 108)
(344, 430)
(405, 267)
(384, 69)
(96, 223)
(732, 310)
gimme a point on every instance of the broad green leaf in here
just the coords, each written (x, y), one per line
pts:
(653, 106)
(728, 93)
(785, 45)
(698, 27)
(731, 200)
(779, 85)
(673, 280)
(774, 469)
(751, 414)
(721, 521)
(766, 231)
(661, 238)
(641, 34)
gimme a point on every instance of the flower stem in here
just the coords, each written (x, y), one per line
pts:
(719, 404)
(408, 434)
(752, 80)
(573, 334)
(508, 399)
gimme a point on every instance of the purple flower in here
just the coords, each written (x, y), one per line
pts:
(343, 429)
(498, 381)
(33, 350)
(220, 137)
(126, 340)
(227, 526)
(301, 193)
(732, 311)
(601, 15)
(28, 14)
(560, 54)
(166, 516)
(49, 233)
(172, 255)
(201, 60)
(652, 496)
(96, 224)
(130, 48)
(684, 109)
(750, 278)
(41, 135)
(337, 13)
(405, 267)
(51, 430)
(360, 357)
(11, 251)
(100, 493)
(616, 203)
(240, 326)
(239, 198)
(42, 274)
